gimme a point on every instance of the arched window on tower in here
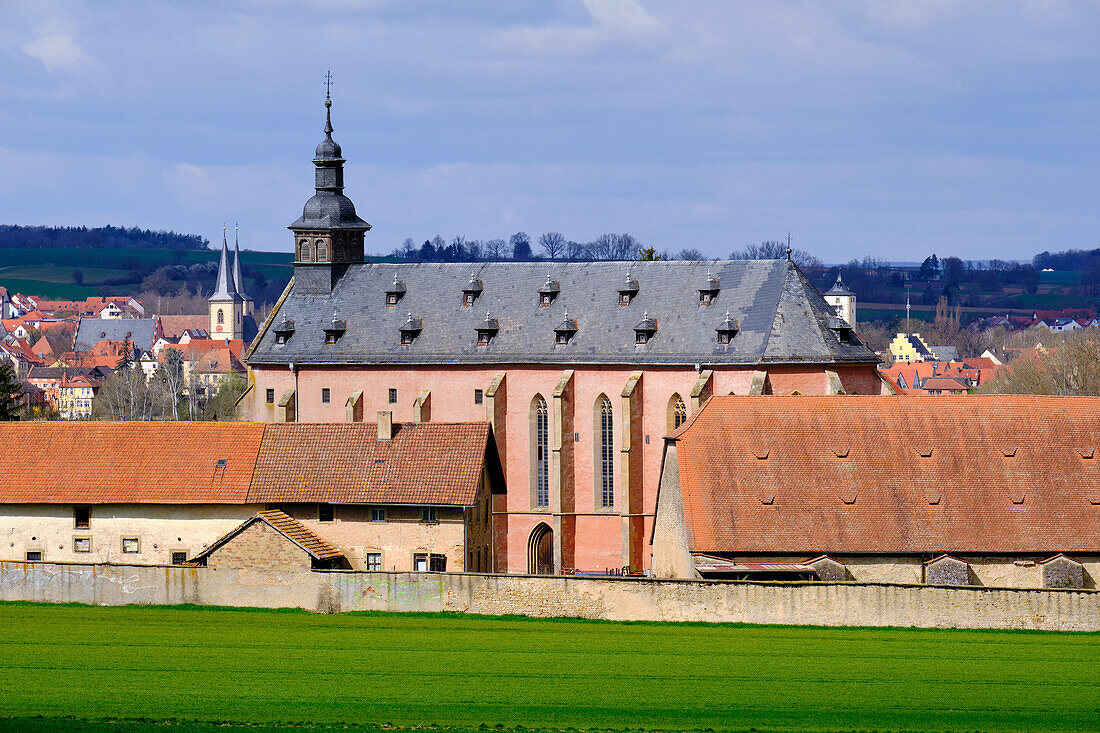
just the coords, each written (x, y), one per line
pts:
(322, 251)
(221, 316)
(605, 446)
(303, 250)
(540, 464)
(677, 412)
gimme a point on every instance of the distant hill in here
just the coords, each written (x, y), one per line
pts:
(106, 237)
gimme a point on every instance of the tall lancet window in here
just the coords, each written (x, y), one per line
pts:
(541, 427)
(607, 455)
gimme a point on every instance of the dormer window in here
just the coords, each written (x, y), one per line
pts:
(471, 291)
(710, 290)
(284, 330)
(645, 330)
(628, 290)
(410, 329)
(395, 292)
(728, 329)
(548, 292)
(565, 330)
(487, 330)
(842, 330)
(335, 329)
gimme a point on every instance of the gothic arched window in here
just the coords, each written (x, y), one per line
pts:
(322, 250)
(303, 250)
(606, 445)
(677, 412)
(221, 316)
(540, 418)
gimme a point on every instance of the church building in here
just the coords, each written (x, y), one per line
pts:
(231, 310)
(581, 368)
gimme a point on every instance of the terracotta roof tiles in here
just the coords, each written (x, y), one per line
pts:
(998, 474)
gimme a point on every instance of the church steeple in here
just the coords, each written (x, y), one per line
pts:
(225, 288)
(328, 233)
(238, 280)
(227, 307)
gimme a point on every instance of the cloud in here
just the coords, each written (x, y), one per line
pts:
(58, 52)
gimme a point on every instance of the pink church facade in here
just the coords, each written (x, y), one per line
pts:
(581, 368)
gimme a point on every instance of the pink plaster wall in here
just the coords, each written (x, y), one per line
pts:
(598, 540)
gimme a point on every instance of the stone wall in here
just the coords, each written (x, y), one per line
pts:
(627, 599)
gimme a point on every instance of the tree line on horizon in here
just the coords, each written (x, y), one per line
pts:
(105, 237)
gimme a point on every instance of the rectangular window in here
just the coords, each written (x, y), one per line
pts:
(270, 396)
(374, 561)
(179, 558)
(393, 396)
(326, 395)
(420, 563)
(325, 513)
(437, 563)
(479, 396)
(34, 555)
(130, 545)
(378, 515)
(429, 516)
(82, 544)
(82, 517)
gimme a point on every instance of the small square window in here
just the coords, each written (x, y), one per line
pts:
(406, 338)
(429, 515)
(479, 396)
(437, 563)
(270, 396)
(374, 561)
(82, 517)
(326, 395)
(391, 299)
(704, 298)
(484, 337)
(546, 300)
(280, 338)
(420, 563)
(640, 338)
(393, 396)
(624, 298)
(34, 555)
(179, 558)
(378, 515)
(325, 513)
(468, 299)
(82, 544)
(130, 545)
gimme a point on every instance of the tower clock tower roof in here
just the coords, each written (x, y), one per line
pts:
(226, 288)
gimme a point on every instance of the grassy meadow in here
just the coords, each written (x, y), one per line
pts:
(67, 666)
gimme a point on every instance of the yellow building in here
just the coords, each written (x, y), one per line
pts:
(909, 348)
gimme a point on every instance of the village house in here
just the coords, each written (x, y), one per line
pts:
(981, 490)
(75, 395)
(386, 496)
(580, 367)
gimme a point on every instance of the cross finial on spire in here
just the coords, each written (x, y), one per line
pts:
(328, 104)
(328, 85)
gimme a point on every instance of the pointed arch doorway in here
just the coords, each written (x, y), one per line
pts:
(540, 551)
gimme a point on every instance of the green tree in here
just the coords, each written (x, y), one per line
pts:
(125, 355)
(10, 407)
(223, 405)
(648, 254)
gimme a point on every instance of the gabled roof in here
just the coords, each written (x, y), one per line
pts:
(174, 326)
(91, 330)
(837, 474)
(288, 527)
(782, 317)
(181, 463)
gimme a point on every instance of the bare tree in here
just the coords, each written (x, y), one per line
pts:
(773, 250)
(1070, 366)
(496, 249)
(127, 395)
(553, 244)
(691, 254)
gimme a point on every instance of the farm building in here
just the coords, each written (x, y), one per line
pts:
(386, 496)
(581, 367)
(979, 490)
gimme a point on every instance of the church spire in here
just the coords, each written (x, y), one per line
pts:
(238, 281)
(225, 288)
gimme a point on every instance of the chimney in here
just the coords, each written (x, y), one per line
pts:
(385, 424)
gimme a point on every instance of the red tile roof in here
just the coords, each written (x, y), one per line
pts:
(129, 462)
(811, 475)
(174, 326)
(176, 463)
(424, 463)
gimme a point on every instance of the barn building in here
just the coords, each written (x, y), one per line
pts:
(581, 368)
(365, 496)
(976, 490)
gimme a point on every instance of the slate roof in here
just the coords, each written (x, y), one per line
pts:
(782, 317)
(177, 463)
(285, 525)
(88, 330)
(850, 474)
(344, 463)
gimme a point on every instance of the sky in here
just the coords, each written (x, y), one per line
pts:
(889, 129)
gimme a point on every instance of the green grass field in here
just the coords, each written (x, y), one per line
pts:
(468, 673)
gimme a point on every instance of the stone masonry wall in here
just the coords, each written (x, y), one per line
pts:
(261, 548)
(626, 599)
